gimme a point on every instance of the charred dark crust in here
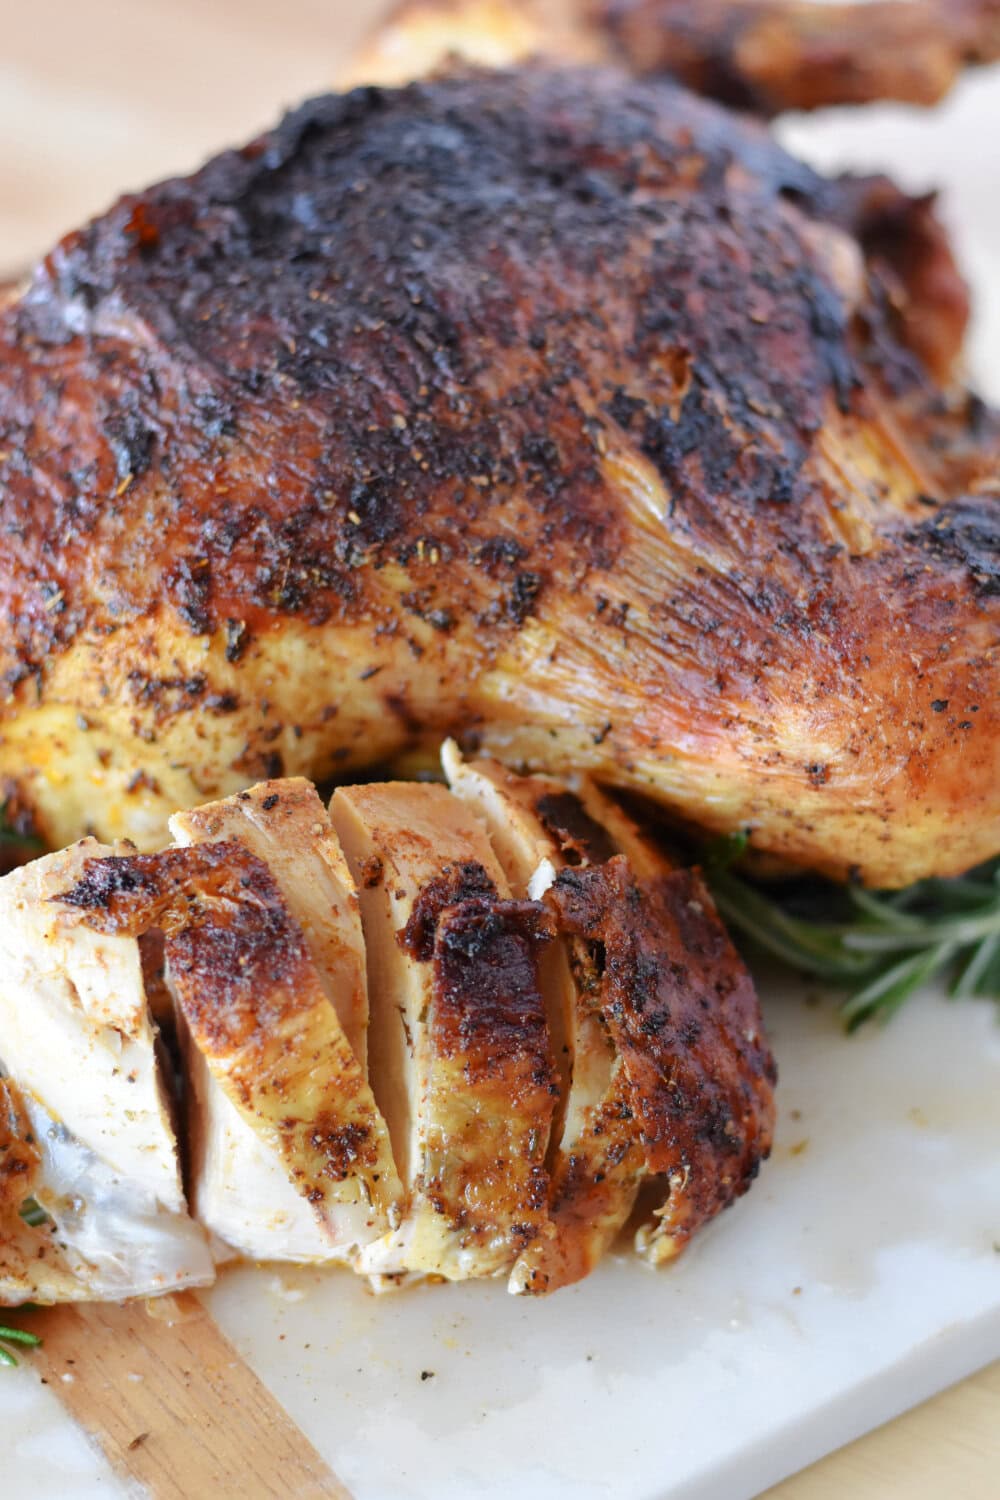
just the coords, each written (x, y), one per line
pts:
(965, 535)
(487, 1005)
(579, 836)
(456, 883)
(272, 304)
(685, 1019)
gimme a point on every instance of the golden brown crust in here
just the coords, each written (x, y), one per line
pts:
(492, 1073)
(20, 1159)
(32, 1263)
(685, 1020)
(549, 406)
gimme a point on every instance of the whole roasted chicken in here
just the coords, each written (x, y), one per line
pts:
(552, 408)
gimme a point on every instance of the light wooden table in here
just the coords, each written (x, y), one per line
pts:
(100, 95)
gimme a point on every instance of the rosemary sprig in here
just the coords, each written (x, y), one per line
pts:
(16, 1336)
(878, 946)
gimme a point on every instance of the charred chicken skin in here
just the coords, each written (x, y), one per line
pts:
(551, 408)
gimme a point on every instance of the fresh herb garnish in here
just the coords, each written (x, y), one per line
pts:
(879, 946)
(16, 1336)
(34, 1214)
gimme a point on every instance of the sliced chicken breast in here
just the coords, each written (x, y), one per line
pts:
(538, 828)
(683, 1015)
(286, 825)
(290, 1158)
(87, 1129)
(670, 1106)
(460, 1053)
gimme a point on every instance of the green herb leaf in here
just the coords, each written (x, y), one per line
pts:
(879, 946)
(34, 1214)
(17, 1336)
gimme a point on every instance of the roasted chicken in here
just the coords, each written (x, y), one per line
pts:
(550, 1038)
(561, 411)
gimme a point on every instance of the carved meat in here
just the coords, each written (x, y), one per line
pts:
(561, 1040)
(684, 1018)
(291, 1159)
(669, 1098)
(460, 1051)
(286, 825)
(539, 828)
(86, 1135)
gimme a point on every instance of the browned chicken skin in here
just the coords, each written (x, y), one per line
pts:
(551, 408)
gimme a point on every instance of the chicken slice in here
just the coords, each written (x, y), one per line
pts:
(86, 1128)
(684, 1017)
(670, 1107)
(460, 1054)
(291, 1158)
(286, 825)
(539, 826)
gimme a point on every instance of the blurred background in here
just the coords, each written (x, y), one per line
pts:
(98, 96)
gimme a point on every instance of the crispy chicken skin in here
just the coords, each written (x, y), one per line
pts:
(685, 1020)
(286, 825)
(548, 407)
(460, 1050)
(541, 828)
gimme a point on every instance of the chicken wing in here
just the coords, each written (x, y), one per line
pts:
(763, 55)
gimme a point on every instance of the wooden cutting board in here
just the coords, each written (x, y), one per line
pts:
(173, 1406)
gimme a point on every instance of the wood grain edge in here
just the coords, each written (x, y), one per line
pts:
(173, 1406)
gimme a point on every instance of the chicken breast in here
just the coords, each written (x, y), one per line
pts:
(286, 825)
(460, 1054)
(89, 1134)
(561, 1039)
(538, 828)
(650, 956)
(290, 1156)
